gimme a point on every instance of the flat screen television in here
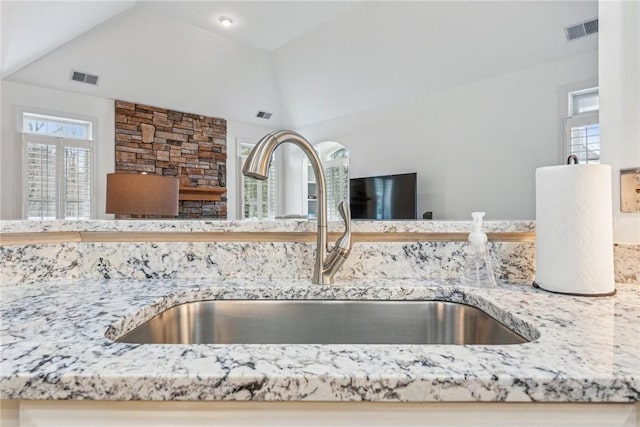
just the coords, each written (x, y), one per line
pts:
(383, 197)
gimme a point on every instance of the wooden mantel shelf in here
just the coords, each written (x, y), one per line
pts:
(201, 193)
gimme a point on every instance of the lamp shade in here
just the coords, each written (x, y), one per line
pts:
(140, 194)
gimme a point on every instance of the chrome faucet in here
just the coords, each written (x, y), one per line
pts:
(328, 261)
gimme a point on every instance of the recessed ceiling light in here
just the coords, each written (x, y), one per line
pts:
(226, 21)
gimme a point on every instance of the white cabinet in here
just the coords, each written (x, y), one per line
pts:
(324, 414)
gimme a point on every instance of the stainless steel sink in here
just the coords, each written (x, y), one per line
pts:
(322, 322)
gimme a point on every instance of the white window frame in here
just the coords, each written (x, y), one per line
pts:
(60, 143)
(571, 119)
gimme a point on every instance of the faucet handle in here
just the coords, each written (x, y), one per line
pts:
(344, 242)
(341, 250)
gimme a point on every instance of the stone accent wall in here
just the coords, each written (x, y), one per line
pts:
(166, 142)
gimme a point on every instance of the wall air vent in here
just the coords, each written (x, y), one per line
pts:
(84, 78)
(581, 30)
(263, 115)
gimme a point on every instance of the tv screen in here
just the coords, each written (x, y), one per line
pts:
(383, 197)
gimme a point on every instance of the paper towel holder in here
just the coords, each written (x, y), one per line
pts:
(573, 158)
(568, 261)
(606, 294)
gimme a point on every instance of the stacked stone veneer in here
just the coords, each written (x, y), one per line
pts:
(166, 142)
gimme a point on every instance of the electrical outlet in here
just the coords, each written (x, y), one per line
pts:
(630, 190)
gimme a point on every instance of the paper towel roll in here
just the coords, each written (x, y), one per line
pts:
(574, 229)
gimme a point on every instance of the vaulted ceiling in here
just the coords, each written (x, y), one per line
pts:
(31, 29)
(306, 62)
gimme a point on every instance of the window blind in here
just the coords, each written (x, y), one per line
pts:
(77, 182)
(41, 185)
(337, 175)
(259, 198)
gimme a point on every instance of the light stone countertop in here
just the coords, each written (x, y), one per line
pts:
(54, 347)
(289, 225)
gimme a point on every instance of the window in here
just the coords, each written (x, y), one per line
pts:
(335, 163)
(336, 171)
(258, 198)
(58, 167)
(582, 129)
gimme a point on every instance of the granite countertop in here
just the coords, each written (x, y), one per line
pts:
(54, 347)
(281, 225)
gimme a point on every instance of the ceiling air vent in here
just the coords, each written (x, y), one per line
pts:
(84, 78)
(263, 115)
(581, 30)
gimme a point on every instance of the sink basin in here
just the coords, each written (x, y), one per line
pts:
(322, 322)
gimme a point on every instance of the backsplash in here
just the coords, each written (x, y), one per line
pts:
(269, 260)
(259, 260)
(190, 147)
(626, 260)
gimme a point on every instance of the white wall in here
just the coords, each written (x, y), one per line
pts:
(475, 147)
(32, 29)
(619, 63)
(146, 57)
(55, 101)
(382, 53)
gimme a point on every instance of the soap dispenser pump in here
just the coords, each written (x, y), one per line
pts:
(477, 266)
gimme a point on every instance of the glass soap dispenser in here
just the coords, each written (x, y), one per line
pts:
(477, 271)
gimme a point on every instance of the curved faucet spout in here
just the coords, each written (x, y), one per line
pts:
(257, 166)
